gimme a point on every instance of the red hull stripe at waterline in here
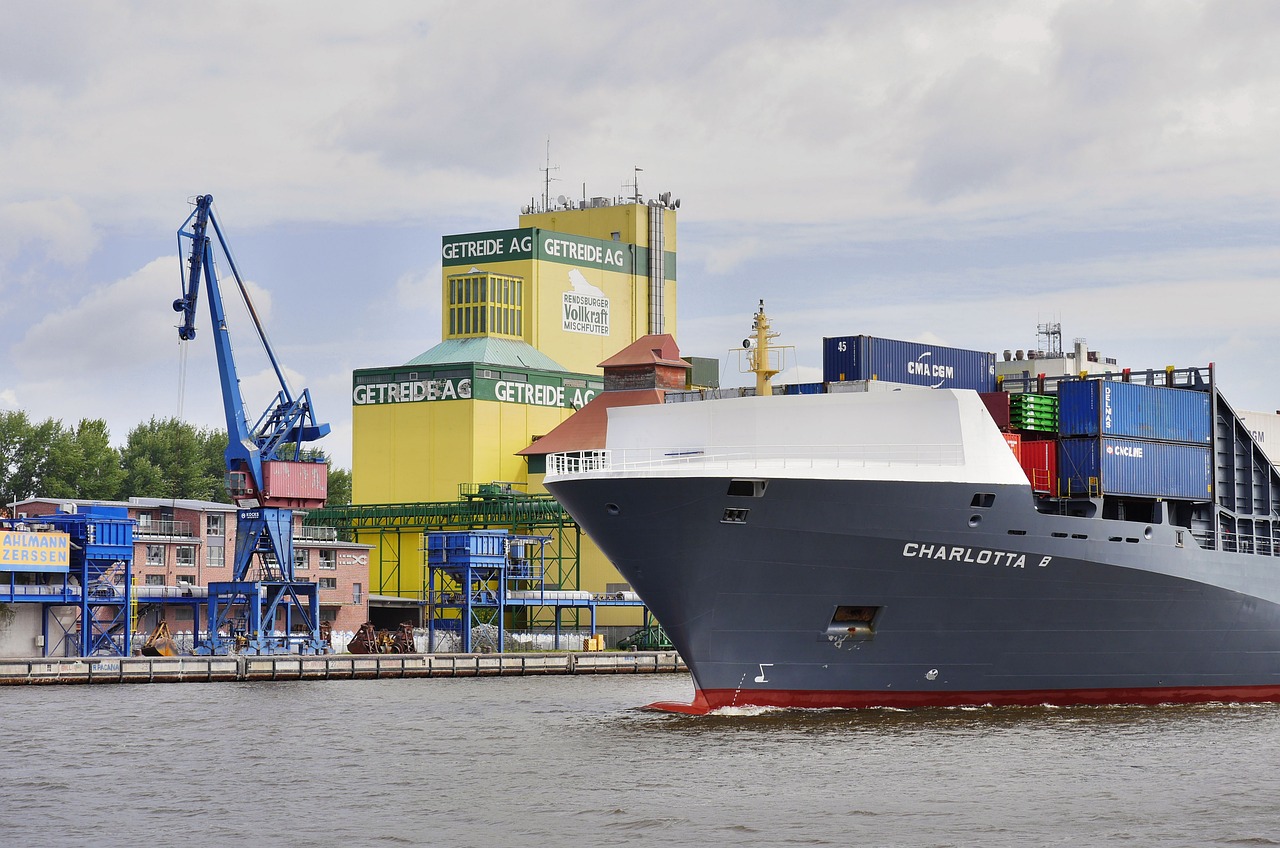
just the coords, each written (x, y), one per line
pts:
(704, 701)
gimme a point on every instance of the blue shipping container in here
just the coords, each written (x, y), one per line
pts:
(871, 358)
(802, 389)
(1105, 466)
(1131, 410)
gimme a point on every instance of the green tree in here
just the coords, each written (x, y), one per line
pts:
(35, 459)
(65, 463)
(100, 474)
(14, 427)
(339, 486)
(168, 458)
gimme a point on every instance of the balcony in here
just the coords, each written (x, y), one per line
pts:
(315, 534)
(165, 530)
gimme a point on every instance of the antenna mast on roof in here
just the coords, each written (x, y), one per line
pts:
(1052, 333)
(635, 184)
(547, 178)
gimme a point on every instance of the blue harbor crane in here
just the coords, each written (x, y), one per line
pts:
(267, 477)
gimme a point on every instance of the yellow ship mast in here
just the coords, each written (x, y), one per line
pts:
(758, 353)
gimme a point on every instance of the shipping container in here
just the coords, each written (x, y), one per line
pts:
(705, 373)
(801, 389)
(1034, 406)
(1014, 441)
(297, 481)
(1107, 466)
(1040, 462)
(870, 358)
(1135, 411)
(864, 386)
(997, 404)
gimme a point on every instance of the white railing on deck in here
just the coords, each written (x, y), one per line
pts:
(770, 457)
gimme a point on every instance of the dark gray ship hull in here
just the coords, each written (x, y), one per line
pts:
(957, 599)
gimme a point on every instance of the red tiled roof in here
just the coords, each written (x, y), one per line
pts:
(653, 349)
(585, 429)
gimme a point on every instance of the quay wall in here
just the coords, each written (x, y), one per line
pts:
(91, 670)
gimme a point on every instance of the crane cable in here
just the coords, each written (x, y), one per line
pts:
(182, 378)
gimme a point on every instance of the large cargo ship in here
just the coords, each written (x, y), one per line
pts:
(888, 548)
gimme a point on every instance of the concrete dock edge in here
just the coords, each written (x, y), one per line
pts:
(103, 670)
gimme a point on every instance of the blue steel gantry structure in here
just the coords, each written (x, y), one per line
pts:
(544, 538)
(483, 577)
(267, 476)
(81, 561)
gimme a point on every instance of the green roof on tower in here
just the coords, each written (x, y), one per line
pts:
(487, 350)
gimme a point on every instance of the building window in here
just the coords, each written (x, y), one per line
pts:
(186, 555)
(216, 556)
(301, 559)
(486, 304)
(215, 524)
(328, 582)
(155, 579)
(356, 593)
(183, 614)
(144, 519)
(155, 555)
(328, 559)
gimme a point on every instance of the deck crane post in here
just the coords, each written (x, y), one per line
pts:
(266, 476)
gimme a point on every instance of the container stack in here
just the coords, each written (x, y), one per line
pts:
(1029, 424)
(1036, 413)
(1135, 440)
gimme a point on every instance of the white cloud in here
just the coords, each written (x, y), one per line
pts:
(952, 170)
(59, 228)
(108, 332)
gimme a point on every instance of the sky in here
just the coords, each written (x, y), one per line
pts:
(955, 173)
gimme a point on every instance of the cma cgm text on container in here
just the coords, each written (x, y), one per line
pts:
(846, 358)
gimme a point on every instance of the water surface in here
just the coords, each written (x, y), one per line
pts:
(573, 761)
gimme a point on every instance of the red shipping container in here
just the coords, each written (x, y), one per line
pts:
(998, 405)
(1014, 441)
(1040, 462)
(297, 485)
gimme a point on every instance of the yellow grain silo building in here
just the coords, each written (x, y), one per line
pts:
(528, 314)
